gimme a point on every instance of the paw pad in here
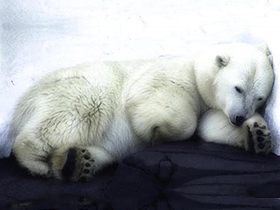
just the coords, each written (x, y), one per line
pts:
(259, 137)
(81, 164)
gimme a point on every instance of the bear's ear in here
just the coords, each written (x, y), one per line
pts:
(222, 60)
(264, 48)
(270, 60)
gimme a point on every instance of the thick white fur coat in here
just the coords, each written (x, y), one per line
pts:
(112, 108)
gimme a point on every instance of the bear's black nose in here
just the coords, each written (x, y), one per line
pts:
(239, 120)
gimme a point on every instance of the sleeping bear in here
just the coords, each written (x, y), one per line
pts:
(74, 121)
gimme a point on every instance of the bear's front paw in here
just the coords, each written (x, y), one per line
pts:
(259, 139)
(78, 165)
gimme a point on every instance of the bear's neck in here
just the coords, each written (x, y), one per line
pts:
(204, 82)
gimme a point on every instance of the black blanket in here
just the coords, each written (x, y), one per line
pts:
(189, 175)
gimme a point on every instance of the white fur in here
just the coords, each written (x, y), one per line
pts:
(112, 108)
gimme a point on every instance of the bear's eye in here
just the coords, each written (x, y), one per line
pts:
(259, 99)
(238, 89)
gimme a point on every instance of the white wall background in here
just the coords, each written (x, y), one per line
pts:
(39, 36)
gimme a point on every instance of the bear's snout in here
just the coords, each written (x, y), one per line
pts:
(237, 120)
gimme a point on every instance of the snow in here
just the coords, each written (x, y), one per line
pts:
(40, 36)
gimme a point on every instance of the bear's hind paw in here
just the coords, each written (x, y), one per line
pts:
(78, 165)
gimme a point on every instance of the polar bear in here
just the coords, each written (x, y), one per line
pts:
(74, 121)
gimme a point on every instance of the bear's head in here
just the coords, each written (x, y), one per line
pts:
(235, 78)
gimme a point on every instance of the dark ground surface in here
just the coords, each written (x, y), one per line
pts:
(192, 175)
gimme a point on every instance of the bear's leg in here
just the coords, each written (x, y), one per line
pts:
(32, 153)
(162, 117)
(78, 162)
(254, 134)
